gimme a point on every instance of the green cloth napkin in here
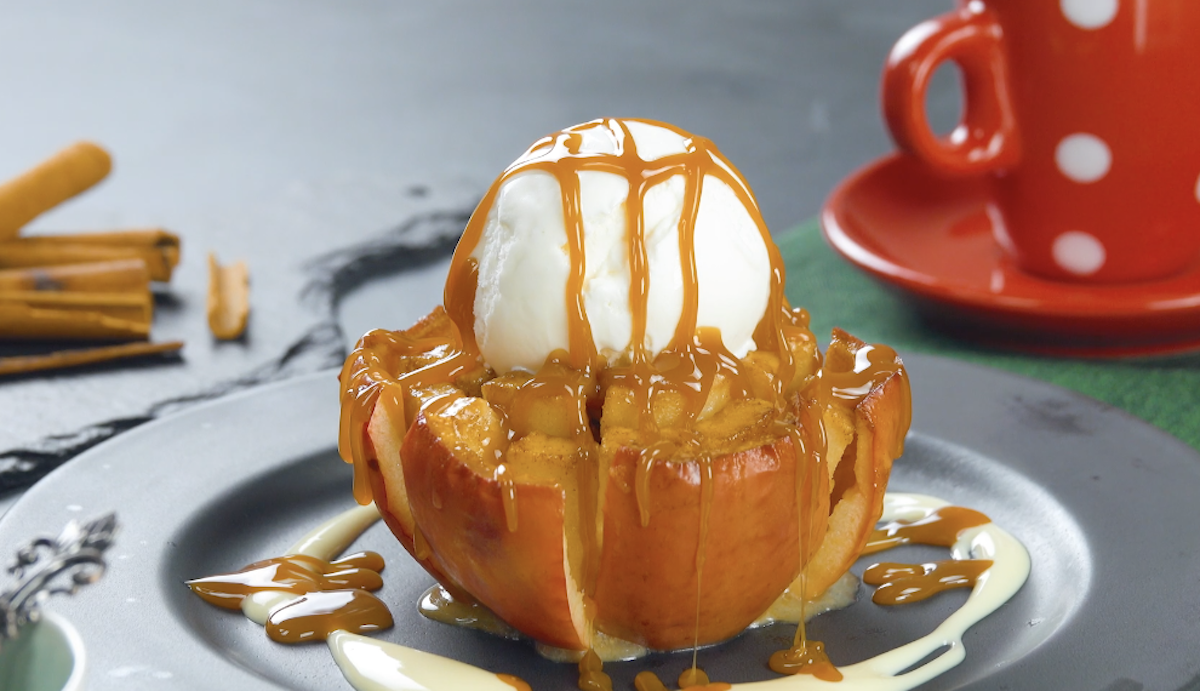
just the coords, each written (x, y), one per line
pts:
(1164, 391)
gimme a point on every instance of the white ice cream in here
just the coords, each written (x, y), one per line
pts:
(523, 262)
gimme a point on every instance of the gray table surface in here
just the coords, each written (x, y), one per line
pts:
(308, 136)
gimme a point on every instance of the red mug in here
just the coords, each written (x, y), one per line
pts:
(1085, 114)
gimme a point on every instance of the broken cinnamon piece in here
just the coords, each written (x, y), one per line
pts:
(158, 248)
(19, 320)
(50, 183)
(74, 358)
(228, 298)
(117, 276)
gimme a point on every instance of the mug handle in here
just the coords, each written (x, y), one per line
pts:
(986, 139)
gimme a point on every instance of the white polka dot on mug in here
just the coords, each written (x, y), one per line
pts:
(1082, 157)
(1089, 14)
(1078, 252)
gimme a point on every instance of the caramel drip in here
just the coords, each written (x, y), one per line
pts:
(591, 674)
(648, 681)
(438, 604)
(360, 392)
(297, 573)
(903, 583)
(694, 679)
(516, 682)
(508, 496)
(313, 616)
(805, 656)
(645, 466)
(693, 184)
(421, 549)
(639, 260)
(807, 659)
(370, 370)
(706, 499)
(940, 529)
(804, 502)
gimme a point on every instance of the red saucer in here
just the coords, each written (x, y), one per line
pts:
(931, 238)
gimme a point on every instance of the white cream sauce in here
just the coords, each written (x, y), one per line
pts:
(372, 665)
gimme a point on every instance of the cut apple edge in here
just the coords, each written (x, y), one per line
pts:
(469, 537)
(880, 422)
(388, 487)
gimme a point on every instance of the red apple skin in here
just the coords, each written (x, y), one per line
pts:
(520, 575)
(647, 587)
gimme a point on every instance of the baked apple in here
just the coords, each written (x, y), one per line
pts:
(617, 423)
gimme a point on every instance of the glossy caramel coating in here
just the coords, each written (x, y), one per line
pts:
(330, 596)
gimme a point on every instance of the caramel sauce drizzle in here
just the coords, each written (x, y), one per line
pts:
(807, 658)
(591, 674)
(903, 583)
(692, 678)
(297, 573)
(333, 595)
(706, 492)
(313, 616)
(939, 529)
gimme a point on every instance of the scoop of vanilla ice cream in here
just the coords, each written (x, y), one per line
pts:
(523, 260)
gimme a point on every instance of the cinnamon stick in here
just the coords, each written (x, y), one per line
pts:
(129, 306)
(74, 358)
(50, 183)
(158, 248)
(22, 321)
(116, 276)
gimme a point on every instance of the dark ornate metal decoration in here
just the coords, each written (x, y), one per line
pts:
(50, 566)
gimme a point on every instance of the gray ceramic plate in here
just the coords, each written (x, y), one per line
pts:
(1105, 504)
